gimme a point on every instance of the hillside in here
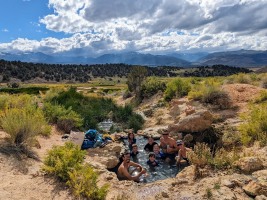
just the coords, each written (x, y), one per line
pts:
(240, 58)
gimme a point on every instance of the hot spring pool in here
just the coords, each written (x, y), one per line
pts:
(163, 171)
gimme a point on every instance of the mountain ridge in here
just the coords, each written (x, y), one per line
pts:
(240, 58)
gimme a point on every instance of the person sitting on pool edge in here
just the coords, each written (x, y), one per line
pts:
(182, 153)
(123, 171)
(150, 144)
(168, 146)
(152, 160)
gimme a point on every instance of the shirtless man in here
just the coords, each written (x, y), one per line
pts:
(168, 145)
(123, 171)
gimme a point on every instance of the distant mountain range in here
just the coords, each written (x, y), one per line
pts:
(241, 58)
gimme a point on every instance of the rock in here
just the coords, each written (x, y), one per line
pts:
(175, 102)
(188, 173)
(249, 164)
(261, 177)
(196, 122)
(261, 197)
(228, 183)
(175, 111)
(252, 189)
(164, 194)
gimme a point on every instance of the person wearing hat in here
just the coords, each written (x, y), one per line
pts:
(168, 146)
(182, 150)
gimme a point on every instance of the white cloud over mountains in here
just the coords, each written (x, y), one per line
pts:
(101, 26)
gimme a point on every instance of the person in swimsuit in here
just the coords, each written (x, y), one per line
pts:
(158, 153)
(182, 153)
(150, 144)
(131, 139)
(152, 160)
(168, 146)
(123, 171)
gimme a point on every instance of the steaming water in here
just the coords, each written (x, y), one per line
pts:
(163, 171)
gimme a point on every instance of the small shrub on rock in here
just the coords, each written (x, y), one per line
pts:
(83, 183)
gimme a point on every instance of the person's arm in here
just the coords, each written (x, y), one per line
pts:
(142, 170)
(179, 157)
(172, 149)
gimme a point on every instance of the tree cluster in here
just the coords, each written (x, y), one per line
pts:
(215, 70)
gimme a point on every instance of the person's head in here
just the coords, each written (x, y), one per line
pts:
(156, 148)
(150, 140)
(165, 133)
(134, 148)
(130, 135)
(151, 157)
(126, 157)
(180, 143)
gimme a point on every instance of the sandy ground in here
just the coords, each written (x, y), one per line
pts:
(22, 179)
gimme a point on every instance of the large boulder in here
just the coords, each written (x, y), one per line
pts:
(249, 164)
(197, 122)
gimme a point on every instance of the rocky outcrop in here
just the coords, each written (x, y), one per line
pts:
(249, 164)
(196, 122)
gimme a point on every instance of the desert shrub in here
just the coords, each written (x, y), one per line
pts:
(62, 160)
(83, 183)
(23, 124)
(127, 94)
(177, 88)
(3, 101)
(201, 156)
(151, 86)
(13, 84)
(261, 98)
(136, 122)
(242, 78)
(264, 83)
(66, 119)
(224, 158)
(217, 98)
(255, 128)
(26, 90)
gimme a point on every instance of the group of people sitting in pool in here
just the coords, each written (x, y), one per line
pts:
(168, 150)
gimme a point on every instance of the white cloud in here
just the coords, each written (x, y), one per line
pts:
(5, 30)
(99, 26)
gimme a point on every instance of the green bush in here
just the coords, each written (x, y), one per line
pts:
(61, 160)
(23, 124)
(151, 86)
(177, 88)
(26, 90)
(92, 109)
(136, 122)
(66, 119)
(255, 128)
(83, 183)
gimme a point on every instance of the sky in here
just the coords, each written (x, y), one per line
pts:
(96, 27)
